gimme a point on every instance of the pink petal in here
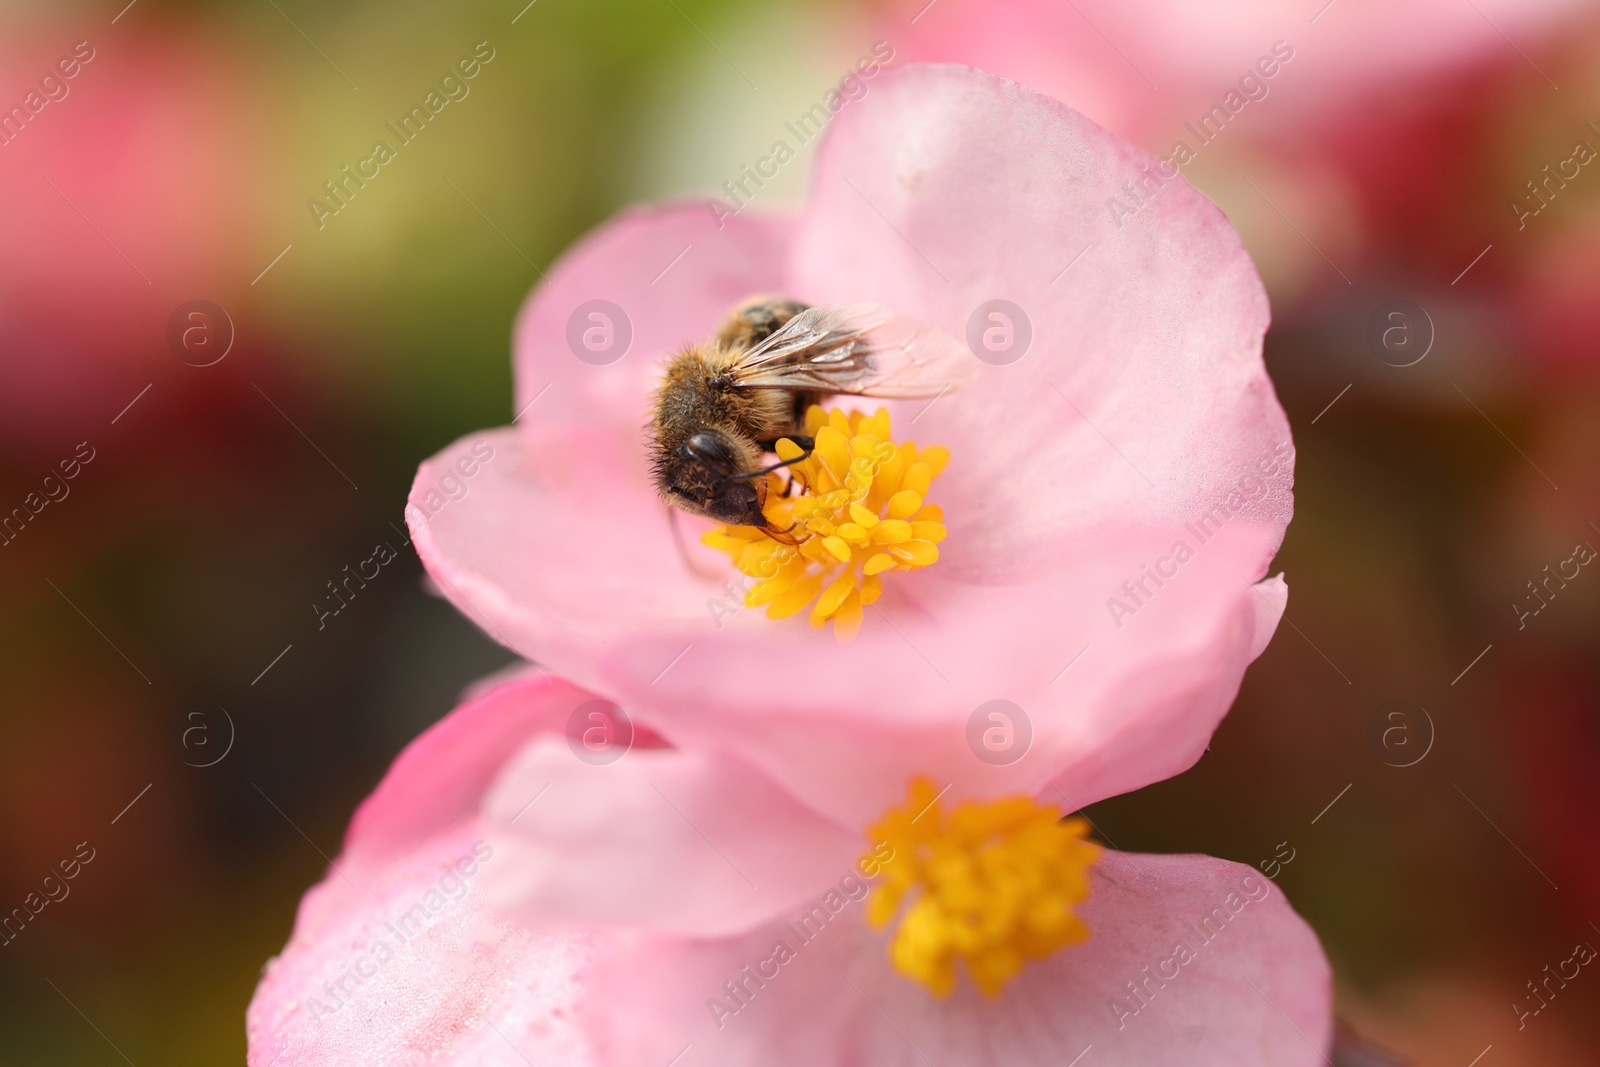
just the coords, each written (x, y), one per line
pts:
(1272, 599)
(617, 612)
(1255, 995)
(439, 780)
(559, 548)
(674, 275)
(684, 842)
(558, 543)
(428, 975)
(1142, 395)
(436, 996)
(1198, 53)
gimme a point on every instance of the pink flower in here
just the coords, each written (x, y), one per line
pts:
(657, 890)
(1112, 489)
(1112, 496)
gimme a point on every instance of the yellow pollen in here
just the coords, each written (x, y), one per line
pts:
(992, 884)
(860, 514)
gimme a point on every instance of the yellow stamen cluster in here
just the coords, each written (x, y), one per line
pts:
(991, 884)
(860, 514)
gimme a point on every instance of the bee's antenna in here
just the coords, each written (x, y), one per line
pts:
(776, 466)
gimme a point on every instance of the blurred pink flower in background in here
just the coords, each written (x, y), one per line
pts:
(1136, 420)
(647, 937)
(125, 187)
(1558, 296)
(1141, 69)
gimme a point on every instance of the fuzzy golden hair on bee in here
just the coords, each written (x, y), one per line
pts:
(702, 437)
(723, 404)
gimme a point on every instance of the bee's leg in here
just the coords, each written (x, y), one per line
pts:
(683, 548)
(781, 536)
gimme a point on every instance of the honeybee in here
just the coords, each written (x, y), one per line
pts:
(725, 403)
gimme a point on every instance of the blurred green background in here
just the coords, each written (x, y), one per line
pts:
(159, 609)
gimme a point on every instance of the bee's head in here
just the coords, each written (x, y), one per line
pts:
(706, 476)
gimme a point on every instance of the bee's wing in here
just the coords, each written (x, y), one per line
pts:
(860, 349)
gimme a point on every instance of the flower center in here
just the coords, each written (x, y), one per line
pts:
(860, 513)
(992, 884)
